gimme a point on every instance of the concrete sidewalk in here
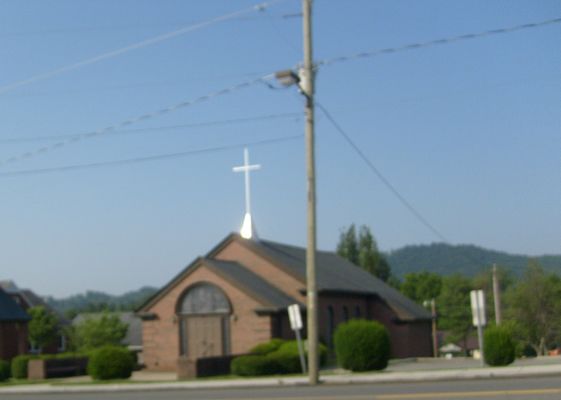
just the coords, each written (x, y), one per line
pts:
(418, 370)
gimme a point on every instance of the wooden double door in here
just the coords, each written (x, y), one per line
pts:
(204, 336)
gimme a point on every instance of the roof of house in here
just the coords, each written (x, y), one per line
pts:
(337, 274)
(271, 297)
(9, 286)
(10, 311)
(28, 298)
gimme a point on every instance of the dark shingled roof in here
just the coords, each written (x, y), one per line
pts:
(268, 295)
(335, 273)
(10, 311)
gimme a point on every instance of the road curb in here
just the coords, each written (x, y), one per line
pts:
(381, 377)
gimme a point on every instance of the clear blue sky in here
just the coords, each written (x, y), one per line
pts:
(468, 132)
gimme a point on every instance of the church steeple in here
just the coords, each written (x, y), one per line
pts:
(247, 230)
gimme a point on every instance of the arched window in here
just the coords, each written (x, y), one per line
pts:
(204, 322)
(204, 299)
(346, 313)
(357, 312)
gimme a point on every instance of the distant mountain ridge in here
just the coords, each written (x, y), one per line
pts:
(447, 259)
(93, 301)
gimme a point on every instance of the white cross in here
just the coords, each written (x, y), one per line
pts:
(247, 227)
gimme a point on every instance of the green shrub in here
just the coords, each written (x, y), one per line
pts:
(267, 347)
(289, 358)
(254, 365)
(4, 370)
(110, 362)
(285, 359)
(525, 350)
(498, 346)
(362, 345)
(19, 366)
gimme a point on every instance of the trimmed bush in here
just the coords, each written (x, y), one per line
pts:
(263, 349)
(19, 366)
(289, 358)
(254, 365)
(362, 345)
(498, 346)
(4, 370)
(110, 362)
(285, 359)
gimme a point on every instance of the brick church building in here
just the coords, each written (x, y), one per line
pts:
(237, 296)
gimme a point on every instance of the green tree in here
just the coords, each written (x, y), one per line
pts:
(94, 332)
(348, 245)
(362, 250)
(535, 303)
(43, 327)
(454, 309)
(421, 286)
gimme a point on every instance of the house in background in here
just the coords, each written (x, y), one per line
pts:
(27, 299)
(237, 296)
(13, 327)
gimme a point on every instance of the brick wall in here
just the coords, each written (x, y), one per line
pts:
(13, 339)
(410, 339)
(235, 251)
(161, 335)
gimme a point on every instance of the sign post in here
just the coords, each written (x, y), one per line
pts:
(296, 325)
(478, 312)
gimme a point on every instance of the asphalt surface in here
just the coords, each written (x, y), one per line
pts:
(519, 388)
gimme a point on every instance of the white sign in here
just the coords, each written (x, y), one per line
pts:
(295, 317)
(478, 307)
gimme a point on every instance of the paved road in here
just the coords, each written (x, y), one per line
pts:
(492, 389)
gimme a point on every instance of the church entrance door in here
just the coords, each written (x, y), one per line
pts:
(204, 335)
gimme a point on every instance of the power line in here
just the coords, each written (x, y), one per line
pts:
(137, 160)
(134, 120)
(136, 46)
(437, 42)
(82, 29)
(158, 128)
(380, 176)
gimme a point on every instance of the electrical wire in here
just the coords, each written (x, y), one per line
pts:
(137, 160)
(135, 46)
(158, 129)
(380, 176)
(437, 42)
(131, 121)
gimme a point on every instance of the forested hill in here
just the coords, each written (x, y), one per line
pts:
(93, 301)
(447, 259)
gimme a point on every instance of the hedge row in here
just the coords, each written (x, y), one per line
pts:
(272, 358)
(19, 363)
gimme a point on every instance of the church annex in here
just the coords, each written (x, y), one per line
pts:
(237, 296)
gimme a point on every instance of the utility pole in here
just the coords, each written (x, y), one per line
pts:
(434, 332)
(307, 86)
(496, 295)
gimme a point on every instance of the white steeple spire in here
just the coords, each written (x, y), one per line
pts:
(247, 231)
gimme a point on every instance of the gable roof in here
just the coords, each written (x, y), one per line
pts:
(271, 298)
(10, 311)
(334, 273)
